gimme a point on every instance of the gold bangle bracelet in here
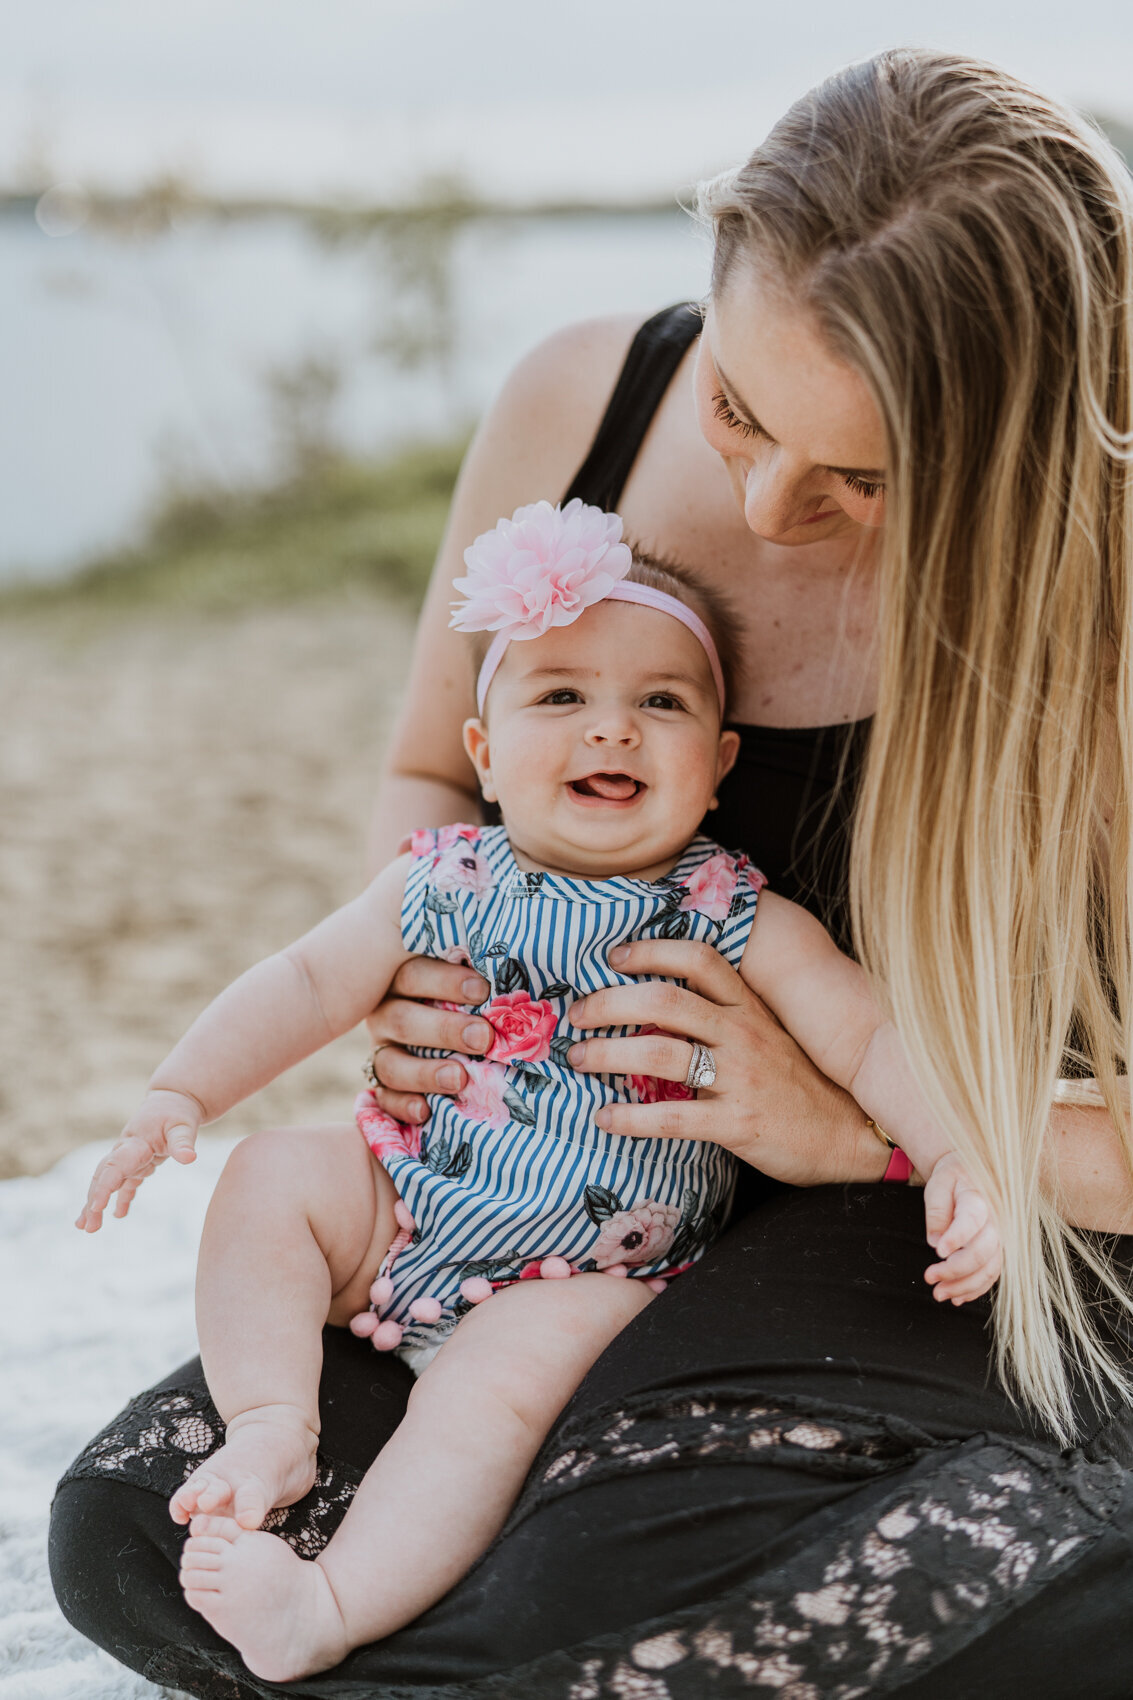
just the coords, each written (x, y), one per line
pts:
(890, 1144)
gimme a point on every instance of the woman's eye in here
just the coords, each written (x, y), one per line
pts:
(556, 699)
(662, 699)
(724, 411)
(862, 486)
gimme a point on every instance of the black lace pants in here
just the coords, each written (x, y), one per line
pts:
(695, 1527)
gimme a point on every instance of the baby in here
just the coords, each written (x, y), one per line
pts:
(600, 734)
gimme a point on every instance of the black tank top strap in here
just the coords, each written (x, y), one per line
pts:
(654, 355)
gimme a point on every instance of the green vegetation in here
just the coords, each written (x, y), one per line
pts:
(333, 524)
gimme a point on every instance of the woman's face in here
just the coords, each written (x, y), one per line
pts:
(796, 427)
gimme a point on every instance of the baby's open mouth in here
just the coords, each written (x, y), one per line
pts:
(607, 787)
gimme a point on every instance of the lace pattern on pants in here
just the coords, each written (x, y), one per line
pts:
(162, 1437)
(967, 1533)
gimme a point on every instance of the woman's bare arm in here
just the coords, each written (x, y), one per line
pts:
(529, 446)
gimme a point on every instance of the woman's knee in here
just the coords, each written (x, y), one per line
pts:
(112, 1552)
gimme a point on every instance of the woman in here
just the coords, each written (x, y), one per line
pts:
(901, 440)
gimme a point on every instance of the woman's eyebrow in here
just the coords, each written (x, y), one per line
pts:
(870, 474)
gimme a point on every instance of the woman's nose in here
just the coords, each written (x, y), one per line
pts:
(775, 496)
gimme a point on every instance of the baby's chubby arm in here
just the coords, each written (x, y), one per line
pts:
(823, 999)
(272, 1017)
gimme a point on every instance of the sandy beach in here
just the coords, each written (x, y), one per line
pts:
(180, 794)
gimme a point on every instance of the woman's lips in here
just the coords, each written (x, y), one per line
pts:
(605, 790)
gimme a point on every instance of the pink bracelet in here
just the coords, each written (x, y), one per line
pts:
(899, 1169)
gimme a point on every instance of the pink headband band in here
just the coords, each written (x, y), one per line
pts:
(544, 567)
(621, 592)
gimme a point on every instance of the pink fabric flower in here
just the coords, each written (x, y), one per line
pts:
(483, 1096)
(460, 868)
(640, 1235)
(458, 954)
(541, 568)
(385, 1136)
(710, 887)
(524, 1028)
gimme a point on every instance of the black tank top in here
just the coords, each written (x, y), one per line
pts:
(789, 799)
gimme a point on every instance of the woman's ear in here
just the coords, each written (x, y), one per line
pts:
(475, 735)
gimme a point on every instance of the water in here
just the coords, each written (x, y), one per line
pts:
(131, 362)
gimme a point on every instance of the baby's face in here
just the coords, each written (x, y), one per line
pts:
(602, 743)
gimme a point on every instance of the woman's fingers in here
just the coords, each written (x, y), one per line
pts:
(444, 982)
(659, 1054)
(655, 1004)
(700, 965)
(403, 1022)
(682, 1118)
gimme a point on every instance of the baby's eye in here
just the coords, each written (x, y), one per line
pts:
(663, 699)
(555, 699)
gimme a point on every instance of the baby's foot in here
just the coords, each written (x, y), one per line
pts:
(268, 1459)
(276, 1609)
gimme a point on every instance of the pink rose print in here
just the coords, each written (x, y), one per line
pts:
(640, 1235)
(651, 1088)
(461, 868)
(458, 954)
(385, 1136)
(710, 887)
(483, 1096)
(524, 1029)
(747, 871)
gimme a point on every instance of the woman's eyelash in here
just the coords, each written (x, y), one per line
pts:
(723, 410)
(862, 486)
(731, 418)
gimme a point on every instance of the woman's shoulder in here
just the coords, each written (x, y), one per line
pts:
(555, 395)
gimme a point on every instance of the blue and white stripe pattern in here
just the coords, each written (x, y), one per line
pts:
(516, 1170)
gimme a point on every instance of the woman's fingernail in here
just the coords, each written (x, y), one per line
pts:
(618, 954)
(475, 990)
(602, 1119)
(576, 1012)
(418, 1110)
(576, 1056)
(449, 1077)
(478, 1035)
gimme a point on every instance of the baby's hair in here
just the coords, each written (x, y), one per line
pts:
(662, 573)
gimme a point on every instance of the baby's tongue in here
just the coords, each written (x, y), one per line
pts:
(614, 787)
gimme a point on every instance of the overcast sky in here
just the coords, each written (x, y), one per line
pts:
(521, 96)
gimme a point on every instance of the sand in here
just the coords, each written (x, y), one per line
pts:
(179, 795)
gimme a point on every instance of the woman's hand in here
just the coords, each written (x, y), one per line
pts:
(769, 1104)
(406, 1016)
(164, 1125)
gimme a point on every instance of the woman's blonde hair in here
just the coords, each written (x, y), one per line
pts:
(967, 245)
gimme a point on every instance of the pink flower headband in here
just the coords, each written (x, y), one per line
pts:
(544, 567)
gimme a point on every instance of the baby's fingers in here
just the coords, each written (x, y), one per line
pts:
(970, 1216)
(970, 1271)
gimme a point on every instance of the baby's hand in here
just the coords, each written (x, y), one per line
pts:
(164, 1125)
(962, 1233)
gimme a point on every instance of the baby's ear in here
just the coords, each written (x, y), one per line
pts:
(475, 735)
(726, 755)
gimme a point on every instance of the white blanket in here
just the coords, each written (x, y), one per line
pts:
(87, 1321)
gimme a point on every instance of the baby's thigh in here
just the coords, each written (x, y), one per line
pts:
(322, 1183)
(534, 1342)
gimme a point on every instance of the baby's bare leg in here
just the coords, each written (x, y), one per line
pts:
(434, 1498)
(296, 1229)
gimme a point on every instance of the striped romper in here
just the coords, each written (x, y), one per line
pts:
(514, 1170)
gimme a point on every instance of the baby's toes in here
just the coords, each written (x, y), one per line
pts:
(186, 1502)
(217, 1528)
(250, 1504)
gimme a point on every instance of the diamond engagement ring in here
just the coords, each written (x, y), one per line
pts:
(702, 1068)
(369, 1072)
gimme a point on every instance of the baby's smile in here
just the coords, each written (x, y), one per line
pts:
(605, 789)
